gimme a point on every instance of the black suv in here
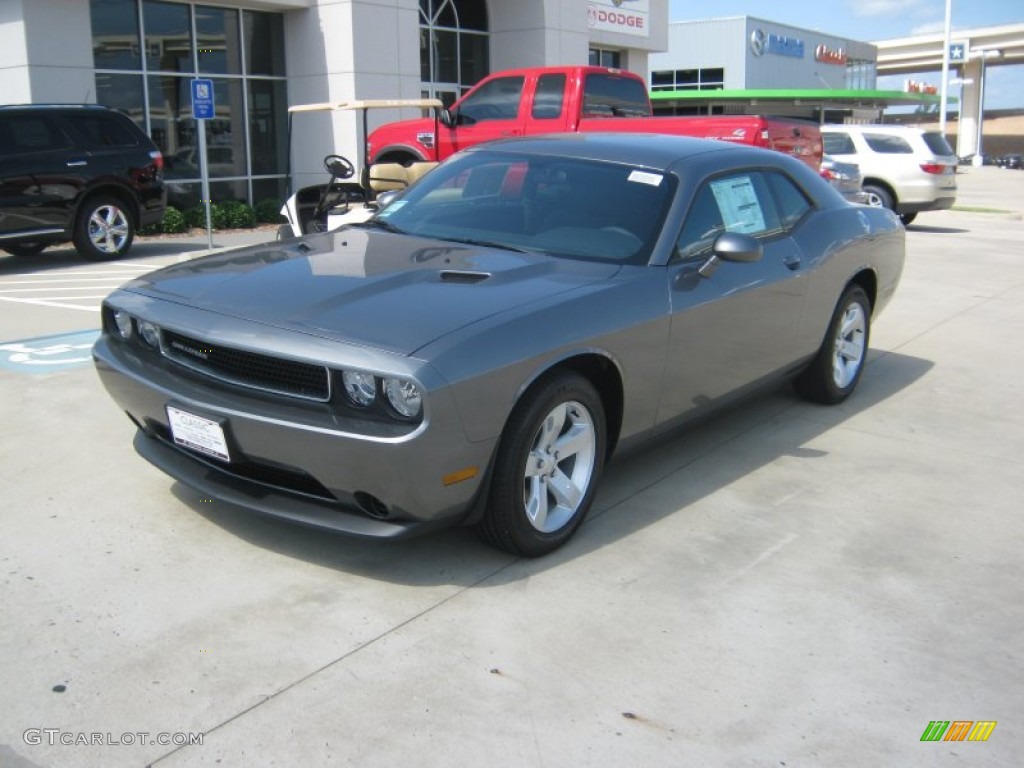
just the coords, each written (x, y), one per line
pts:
(82, 173)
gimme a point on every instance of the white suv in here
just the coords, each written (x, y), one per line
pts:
(906, 169)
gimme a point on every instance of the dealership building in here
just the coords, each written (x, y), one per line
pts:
(264, 55)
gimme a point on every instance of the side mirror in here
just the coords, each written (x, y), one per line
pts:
(447, 118)
(731, 246)
(384, 199)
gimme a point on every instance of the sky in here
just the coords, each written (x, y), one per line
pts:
(873, 20)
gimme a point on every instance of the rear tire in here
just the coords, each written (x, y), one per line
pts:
(24, 249)
(836, 369)
(879, 197)
(547, 469)
(906, 218)
(104, 230)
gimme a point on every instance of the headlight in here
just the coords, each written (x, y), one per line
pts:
(123, 321)
(150, 333)
(404, 397)
(361, 388)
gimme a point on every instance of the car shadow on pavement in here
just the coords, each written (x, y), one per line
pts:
(671, 472)
(63, 257)
(937, 230)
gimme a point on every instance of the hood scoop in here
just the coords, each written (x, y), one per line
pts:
(463, 276)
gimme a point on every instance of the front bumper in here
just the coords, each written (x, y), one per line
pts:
(291, 463)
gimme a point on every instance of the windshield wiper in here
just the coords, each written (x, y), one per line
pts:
(378, 224)
(485, 244)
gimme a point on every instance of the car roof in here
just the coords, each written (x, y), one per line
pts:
(653, 150)
(29, 107)
(873, 127)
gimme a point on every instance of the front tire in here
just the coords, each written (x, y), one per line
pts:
(547, 469)
(907, 218)
(833, 374)
(104, 229)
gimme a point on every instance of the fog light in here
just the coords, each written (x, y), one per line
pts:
(361, 388)
(123, 321)
(150, 333)
(404, 397)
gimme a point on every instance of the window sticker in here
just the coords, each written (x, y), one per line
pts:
(393, 208)
(737, 200)
(644, 177)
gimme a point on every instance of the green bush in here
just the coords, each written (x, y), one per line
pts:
(238, 215)
(268, 211)
(196, 216)
(173, 221)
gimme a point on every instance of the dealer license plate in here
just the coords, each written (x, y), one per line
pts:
(197, 433)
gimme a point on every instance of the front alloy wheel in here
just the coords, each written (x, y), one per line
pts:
(547, 468)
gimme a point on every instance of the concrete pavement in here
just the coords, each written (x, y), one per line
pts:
(785, 585)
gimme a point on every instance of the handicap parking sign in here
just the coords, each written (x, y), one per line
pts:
(202, 99)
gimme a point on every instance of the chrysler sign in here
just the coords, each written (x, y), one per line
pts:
(627, 17)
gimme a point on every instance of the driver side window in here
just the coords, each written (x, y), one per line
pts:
(741, 202)
(495, 100)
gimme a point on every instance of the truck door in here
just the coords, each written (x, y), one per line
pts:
(491, 111)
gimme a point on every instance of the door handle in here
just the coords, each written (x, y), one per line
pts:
(792, 261)
(77, 163)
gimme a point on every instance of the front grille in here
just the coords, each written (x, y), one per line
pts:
(249, 369)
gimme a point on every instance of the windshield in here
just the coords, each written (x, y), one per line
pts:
(571, 208)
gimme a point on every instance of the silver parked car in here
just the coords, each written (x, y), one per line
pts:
(906, 169)
(846, 178)
(477, 351)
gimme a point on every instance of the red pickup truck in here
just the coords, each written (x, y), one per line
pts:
(521, 102)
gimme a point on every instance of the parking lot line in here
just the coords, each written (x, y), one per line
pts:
(56, 301)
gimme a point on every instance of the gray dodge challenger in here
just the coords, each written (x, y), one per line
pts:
(476, 351)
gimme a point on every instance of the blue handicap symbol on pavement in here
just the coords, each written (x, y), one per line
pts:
(48, 353)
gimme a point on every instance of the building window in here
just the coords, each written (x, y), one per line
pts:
(454, 52)
(145, 52)
(710, 79)
(861, 74)
(599, 57)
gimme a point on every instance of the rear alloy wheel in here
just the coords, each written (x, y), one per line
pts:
(104, 229)
(24, 249)
(547, 468)
(836, 369)
(879, 197)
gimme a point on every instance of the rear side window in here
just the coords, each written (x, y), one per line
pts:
(30, 133)
(791, 201)
(838, 144)
(937, 143)
(547, 101)
(103, 130)
(888, 145)
(614, 96)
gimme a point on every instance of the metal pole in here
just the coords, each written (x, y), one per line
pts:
(206, 182)
(945, 67)
(980, 158)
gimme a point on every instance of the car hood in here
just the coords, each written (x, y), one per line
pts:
(390, 291)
